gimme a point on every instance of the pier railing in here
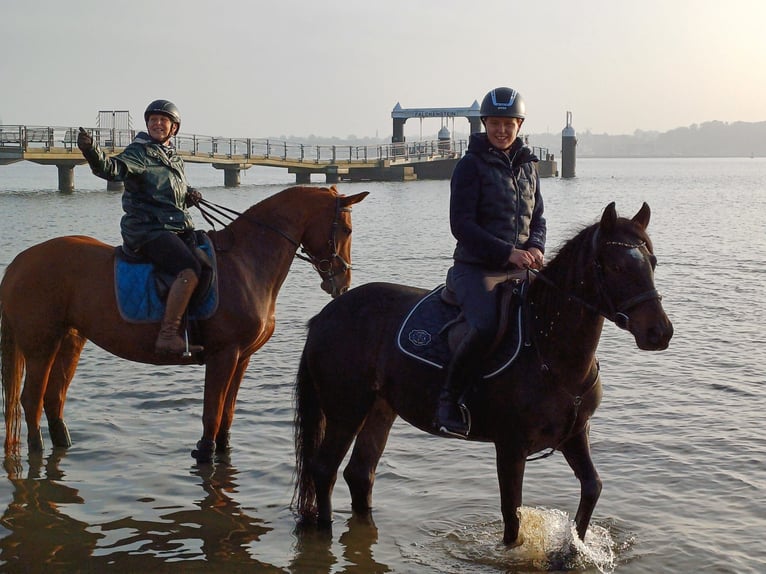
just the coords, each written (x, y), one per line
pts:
(45, 138)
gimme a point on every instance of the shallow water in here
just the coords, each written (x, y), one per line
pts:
(678, 439)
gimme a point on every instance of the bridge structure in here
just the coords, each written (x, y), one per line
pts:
(397, 161)
(57, 146)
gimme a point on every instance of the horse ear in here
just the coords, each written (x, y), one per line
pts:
(609, 218)
(352, 199)
(643, 215)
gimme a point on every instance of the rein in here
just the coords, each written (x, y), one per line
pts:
(323, 266)
(576, 402)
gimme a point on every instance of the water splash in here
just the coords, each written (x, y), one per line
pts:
(550, 544)
(550, 538)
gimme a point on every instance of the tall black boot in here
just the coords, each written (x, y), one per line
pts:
(462, 370)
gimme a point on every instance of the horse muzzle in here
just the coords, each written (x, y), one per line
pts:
(653, 334)
(333, 287)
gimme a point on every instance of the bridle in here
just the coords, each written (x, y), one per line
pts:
(618, 313)
(323, 266)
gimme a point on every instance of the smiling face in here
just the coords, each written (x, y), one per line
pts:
(502, 131)
(161, 127)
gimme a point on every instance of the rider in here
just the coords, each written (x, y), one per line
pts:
(496, 216)
(156, 222)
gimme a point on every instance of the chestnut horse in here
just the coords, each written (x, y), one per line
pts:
(353, 382)
(58, 294)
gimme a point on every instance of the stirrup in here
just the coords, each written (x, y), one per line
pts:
(466, 414)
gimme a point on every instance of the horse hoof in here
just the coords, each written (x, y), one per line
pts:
(59, 433)
(222, 443)
(204, 451)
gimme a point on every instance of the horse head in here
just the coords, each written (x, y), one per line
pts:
(328, 241)
(624, 265)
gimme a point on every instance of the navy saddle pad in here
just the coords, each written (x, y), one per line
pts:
(139, 300)
(423, 336)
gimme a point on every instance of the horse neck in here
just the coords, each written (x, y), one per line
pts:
(564, 330)
(269, 240)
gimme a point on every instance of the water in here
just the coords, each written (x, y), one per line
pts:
(678, 439)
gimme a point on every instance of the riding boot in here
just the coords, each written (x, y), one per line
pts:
(169, 340)
(462, 370)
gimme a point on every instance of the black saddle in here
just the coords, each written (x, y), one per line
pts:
(425, 332)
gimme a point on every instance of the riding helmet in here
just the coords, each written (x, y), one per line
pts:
(165, 108)
(503, 102)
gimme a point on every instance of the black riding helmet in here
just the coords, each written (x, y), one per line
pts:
(165, 108)
(503, 102)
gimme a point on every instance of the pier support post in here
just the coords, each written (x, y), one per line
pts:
(333, 173)
(231, 172)
(115, 186)
(302, 177)
(66, 177)
(231, 178)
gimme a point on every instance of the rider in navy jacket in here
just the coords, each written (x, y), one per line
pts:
(496, 205)
(496, 216)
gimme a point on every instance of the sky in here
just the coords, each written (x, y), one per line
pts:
(331, 68)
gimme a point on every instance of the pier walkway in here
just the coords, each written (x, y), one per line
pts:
(400, 161)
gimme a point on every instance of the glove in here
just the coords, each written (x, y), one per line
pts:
(193, 197)
(84, 141)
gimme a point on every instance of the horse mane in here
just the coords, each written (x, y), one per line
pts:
(223, 238)
(567, 269)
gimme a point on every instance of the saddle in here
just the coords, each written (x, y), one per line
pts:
(435, 326)
(141, 289)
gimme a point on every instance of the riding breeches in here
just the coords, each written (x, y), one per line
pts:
(169, 252)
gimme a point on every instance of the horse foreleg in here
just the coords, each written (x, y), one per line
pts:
(510, 474)
(359, 473)
(577, 453)
(60, 377)
(222, 438)
(218, 373)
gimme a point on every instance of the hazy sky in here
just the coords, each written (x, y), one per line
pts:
(258, 68)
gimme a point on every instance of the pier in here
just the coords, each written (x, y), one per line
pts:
(397, 161)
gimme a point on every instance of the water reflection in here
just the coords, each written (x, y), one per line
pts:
(217, 534)
(313, 551)
(40, 533)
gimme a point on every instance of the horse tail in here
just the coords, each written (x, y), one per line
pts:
(309, 427)
(11, 371)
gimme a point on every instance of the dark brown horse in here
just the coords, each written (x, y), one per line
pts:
(353, 382)
(58, 294)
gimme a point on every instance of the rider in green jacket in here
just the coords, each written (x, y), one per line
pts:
(156, 223)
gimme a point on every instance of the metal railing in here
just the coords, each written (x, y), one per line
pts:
(45, 138)
(26, 138)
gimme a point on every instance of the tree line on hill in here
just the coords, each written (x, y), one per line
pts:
(709, 139)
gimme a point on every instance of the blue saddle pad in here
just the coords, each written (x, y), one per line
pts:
(423, 335)
(138, 299)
